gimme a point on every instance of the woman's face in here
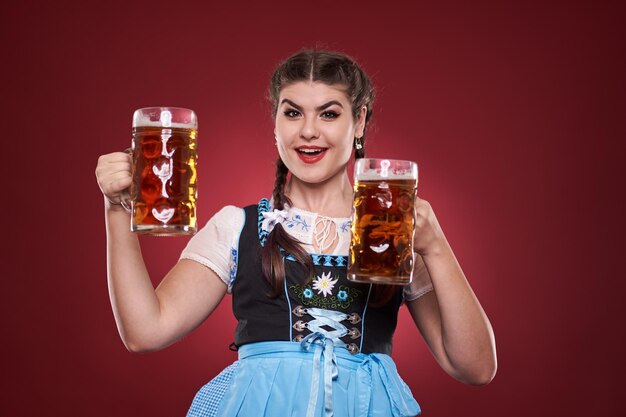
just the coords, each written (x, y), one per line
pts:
(315, 129)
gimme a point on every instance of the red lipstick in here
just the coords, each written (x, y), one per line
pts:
(311, 154)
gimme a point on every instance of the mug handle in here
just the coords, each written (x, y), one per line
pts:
(125, 200)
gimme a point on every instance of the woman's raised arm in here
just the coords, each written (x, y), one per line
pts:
(148, 319)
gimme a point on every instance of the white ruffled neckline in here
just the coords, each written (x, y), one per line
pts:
(301, 224)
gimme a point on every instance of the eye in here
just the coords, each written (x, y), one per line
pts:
(330, 115)
(291, 114)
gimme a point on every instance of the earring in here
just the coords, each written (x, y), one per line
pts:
(358, 144)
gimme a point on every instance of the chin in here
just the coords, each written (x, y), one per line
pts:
(311, 179)
(318, 179)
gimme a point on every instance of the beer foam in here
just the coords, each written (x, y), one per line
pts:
(384, 169)
(148, 118)
(157, 123)
(376, 176)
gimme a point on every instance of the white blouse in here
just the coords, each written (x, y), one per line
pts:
(215, 245)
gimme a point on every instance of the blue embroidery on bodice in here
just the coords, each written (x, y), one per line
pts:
(317, 258)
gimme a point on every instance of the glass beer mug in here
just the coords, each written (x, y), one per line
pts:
(163, 191)
(383, 221)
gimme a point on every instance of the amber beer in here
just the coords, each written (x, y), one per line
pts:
(164, 190)
(383, 222)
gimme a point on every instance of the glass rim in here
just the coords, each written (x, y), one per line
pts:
(366, 169)
(392, 160)
(165, 108)
(140, 115)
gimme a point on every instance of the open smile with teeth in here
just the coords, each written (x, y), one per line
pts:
(311, 151)
(311, 154)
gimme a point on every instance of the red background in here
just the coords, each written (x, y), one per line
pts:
(514, 111)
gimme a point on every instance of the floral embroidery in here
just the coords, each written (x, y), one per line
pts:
(345, 226)
(344, 298)
(298, 220)
(233, 266)
(324, 285)
(263, 223)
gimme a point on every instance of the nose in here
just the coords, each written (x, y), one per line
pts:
(309, 129)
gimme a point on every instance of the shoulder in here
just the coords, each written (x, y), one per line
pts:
(228, 214)
(233, 217)
(223, 225)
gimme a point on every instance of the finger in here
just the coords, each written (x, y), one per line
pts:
(104, 172)
(121, 183)
(118, 166)
(107, 160)
(113, 157)
(106, 180)
(422, 205)
(116, 185)
(119, 175)
(104, 168)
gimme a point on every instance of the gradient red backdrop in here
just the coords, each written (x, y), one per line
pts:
(514, 112)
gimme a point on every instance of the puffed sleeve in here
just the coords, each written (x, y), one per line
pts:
(421, 281)
(216, 244)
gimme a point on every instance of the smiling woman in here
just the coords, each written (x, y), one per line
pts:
(310, 341)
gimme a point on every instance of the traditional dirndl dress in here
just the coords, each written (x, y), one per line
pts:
(301, 354)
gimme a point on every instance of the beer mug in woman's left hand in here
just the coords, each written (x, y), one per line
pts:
(163, 191)
(383, 222)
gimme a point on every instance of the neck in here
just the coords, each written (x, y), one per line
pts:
(332, 198)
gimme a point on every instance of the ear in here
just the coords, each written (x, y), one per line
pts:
(360, 122)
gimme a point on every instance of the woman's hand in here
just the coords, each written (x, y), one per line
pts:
(113, 173)
(428, 234)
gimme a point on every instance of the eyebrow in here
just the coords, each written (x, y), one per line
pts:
(319, 108)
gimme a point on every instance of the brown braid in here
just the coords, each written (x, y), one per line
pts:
(272, 258)
(279, 185)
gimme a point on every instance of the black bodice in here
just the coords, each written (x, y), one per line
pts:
(262, 318)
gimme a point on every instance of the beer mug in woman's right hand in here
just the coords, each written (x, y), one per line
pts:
(383, 221)
(163, 191)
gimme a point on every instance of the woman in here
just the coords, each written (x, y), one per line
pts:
(310, 342)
